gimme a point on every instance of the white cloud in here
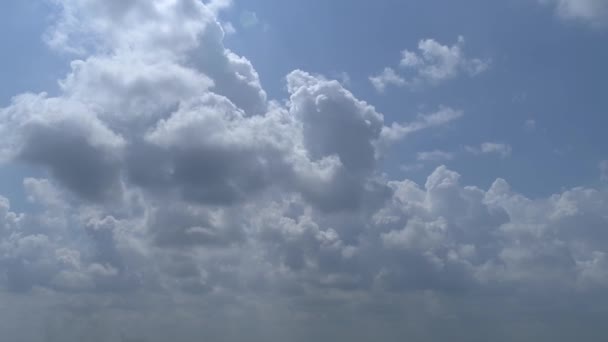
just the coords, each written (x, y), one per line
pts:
(443, 116)
(129, 31)
(179, 196)
(228, 28)
(433, 64)
(100, 25)
(501, 149)
(592, 12)
(218, 5)
(436, 63)
(386, 78)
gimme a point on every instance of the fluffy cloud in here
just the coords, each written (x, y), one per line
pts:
(386, 78)
(42, 250)
(68, 139)
(127, 32)
(439, 238)
(325, 107)
(178, 201)
(442, 237)
(433, 64)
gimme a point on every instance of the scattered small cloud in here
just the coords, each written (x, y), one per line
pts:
(503, 150)
(398, 131)
(436, 62)
(432, 64)
(530, 125)
(591, 12)
(387, 77)
(249, 19)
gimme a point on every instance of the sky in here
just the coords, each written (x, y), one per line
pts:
(187, 170)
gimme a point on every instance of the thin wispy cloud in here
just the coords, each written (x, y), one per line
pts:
(436, 155)
(591, 12)
(501, 149)
(443, 116)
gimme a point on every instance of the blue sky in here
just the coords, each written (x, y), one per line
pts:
(289, 170)
(542, 68)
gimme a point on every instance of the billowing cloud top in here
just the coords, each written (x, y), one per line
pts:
(179, 203)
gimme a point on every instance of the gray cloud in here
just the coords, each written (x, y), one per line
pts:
(179, 203)
(66, 138)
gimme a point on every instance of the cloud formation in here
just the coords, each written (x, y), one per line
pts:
(178, 201)
(387, 77)
(433, 64)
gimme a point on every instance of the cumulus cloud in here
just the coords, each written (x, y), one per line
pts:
(433, 64)
(178, 202)
(446, 236)
(441, 237)
(123, 33)
(68, 139)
